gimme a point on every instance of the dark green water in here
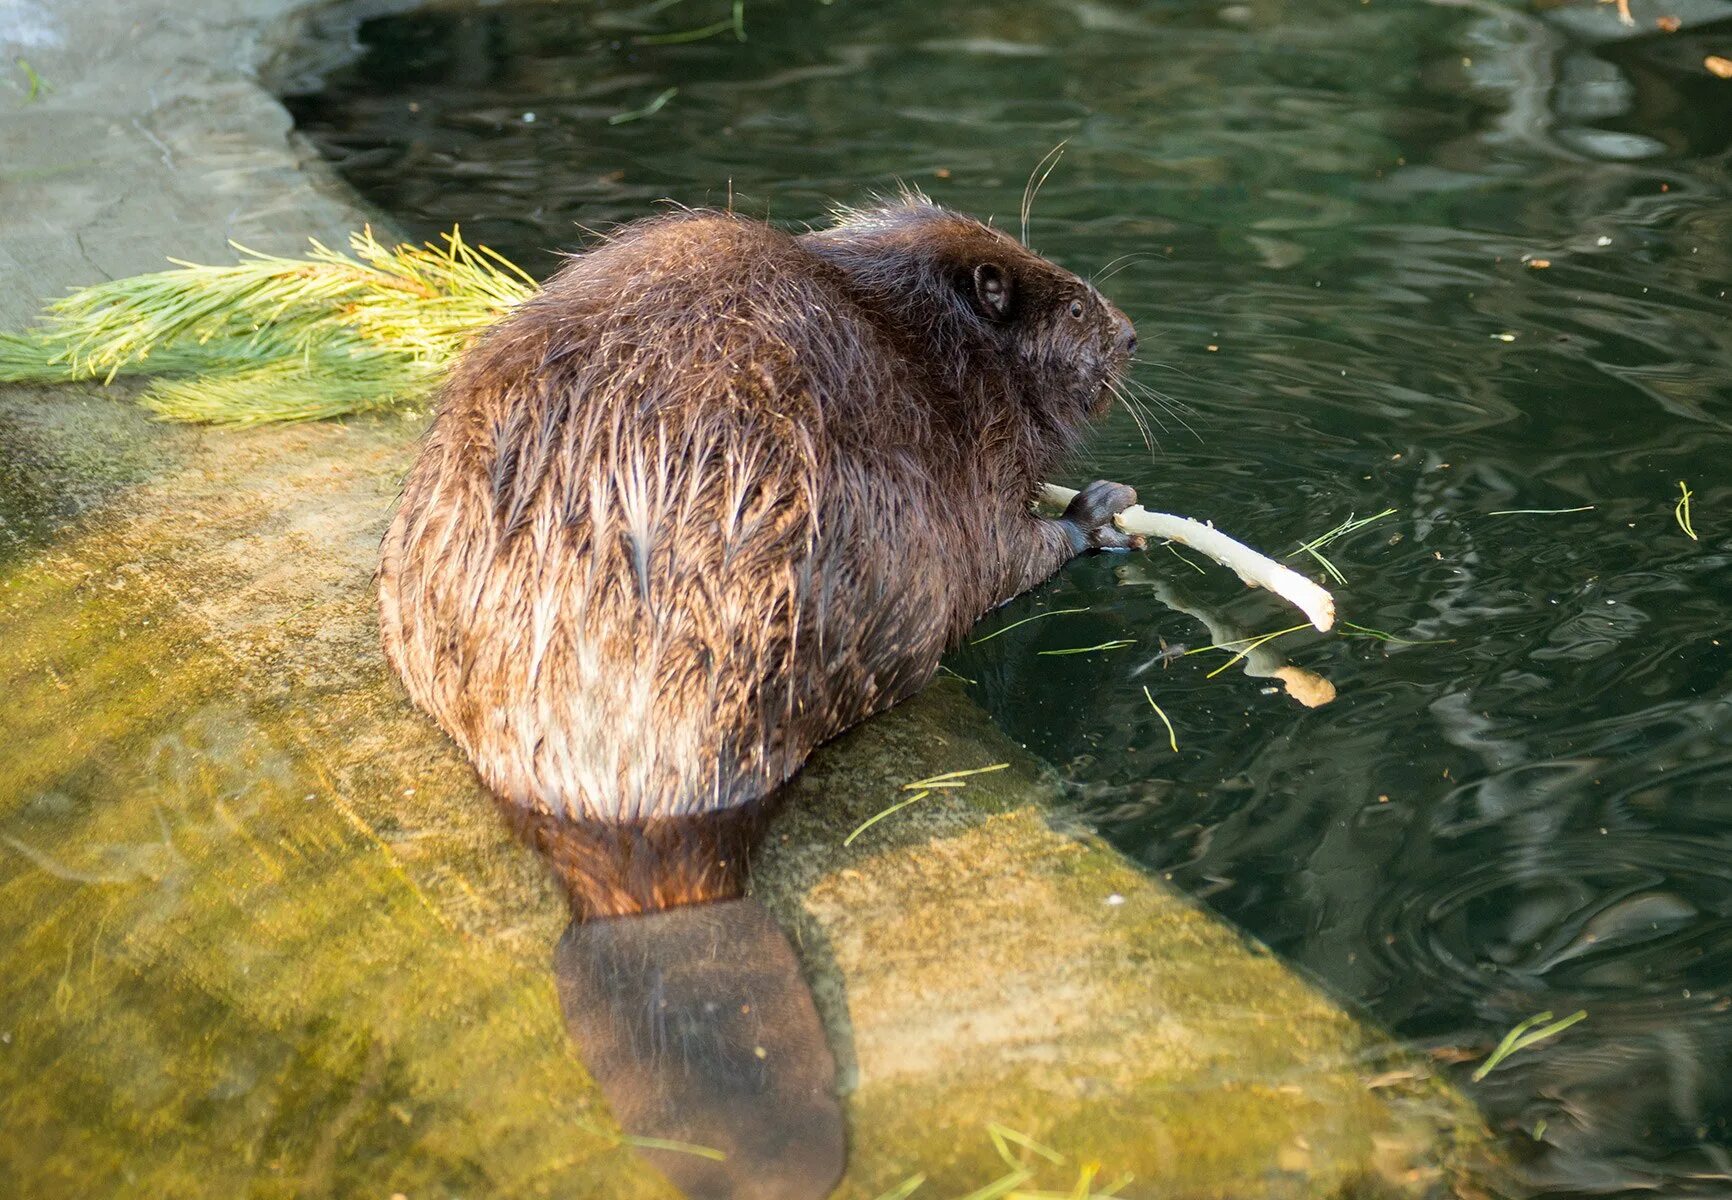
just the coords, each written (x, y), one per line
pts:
(1338, 215)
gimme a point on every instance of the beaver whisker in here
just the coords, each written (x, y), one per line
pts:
(1132, 407)
(1118, 264)
(1172, 406)
(1031, 189)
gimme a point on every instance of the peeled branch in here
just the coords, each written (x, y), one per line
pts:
(1255, 569)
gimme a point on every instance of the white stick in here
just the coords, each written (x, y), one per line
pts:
(1246, 563)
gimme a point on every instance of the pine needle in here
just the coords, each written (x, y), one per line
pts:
(1681, 511)
(648, 110)
(904, 1189)
(1115, 644)
(1001, 1187)
(1240, 647)
(1349, 629)
(869, 822)
(953, 778)
(1538, 512)
(271, 338)
(736, 21)
(1525, 1035)
(1051, 612)
(1175, 552)
(1003, 1136)
(1350, 525)
(655, 1143)
(1172, 737)
(923, 788)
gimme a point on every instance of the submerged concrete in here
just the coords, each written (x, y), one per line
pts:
(262, 932)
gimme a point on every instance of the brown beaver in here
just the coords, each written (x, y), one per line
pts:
(718, 493)
(711, 497)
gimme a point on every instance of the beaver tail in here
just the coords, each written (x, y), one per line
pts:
(688, 1005)
(616, 869)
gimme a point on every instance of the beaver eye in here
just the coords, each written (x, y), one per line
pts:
(1076, 310)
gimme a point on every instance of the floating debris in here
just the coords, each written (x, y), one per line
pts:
(1115, 644)
(1382, 636)
(923, 788)
(1052, 612)
(1350, 525)
(1538, 512)
(1525, 1035)
(34, 80)
(1172, 738)
(1681, 511)
(636, 114)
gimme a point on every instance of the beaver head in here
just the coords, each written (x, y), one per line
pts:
(981, 308)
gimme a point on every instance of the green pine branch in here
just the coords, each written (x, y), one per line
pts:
(277, 339)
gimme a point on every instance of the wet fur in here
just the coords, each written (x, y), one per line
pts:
(711, 497)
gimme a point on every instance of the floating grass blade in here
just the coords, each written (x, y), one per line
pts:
(1054, 612)
(1539, 512)
(1350, 525)
(1172, 738)
(1115, 644)
(1525, 1035)
(648, 110)
(1352, 630)
(1681, 511)
(904, 1189)
(654, 1143)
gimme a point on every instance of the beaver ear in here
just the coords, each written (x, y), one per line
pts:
(992, 290)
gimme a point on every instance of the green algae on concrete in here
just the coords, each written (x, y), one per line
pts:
(989, 968)
(250, 950)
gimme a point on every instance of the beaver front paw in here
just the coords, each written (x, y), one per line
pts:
(1088, 519)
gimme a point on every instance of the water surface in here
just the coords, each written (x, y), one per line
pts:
(1452, 260)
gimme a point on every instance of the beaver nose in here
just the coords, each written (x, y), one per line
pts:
(1127, 336)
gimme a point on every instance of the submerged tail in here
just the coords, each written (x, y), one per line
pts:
(688, 1006)
(699, 1029)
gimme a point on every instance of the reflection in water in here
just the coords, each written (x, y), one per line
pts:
(1453, 259)
(700, 1031)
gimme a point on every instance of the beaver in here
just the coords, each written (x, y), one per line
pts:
(713, 495)
(719, 492)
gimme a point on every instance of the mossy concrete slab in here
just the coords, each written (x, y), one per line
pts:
(263, 935)
(251, 899)
(989, 967)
